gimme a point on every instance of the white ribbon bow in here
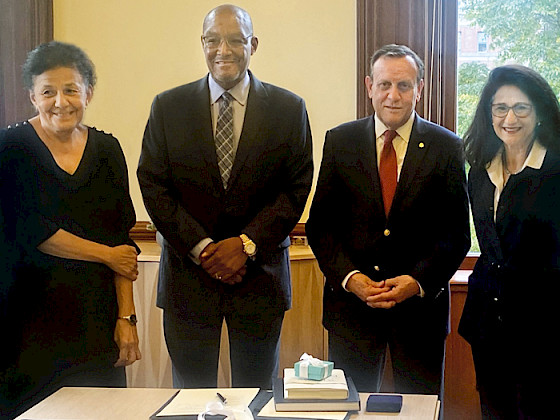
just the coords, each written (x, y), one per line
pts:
(306, 361)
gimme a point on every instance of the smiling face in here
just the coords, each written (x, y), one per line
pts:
(232, 44)
(394, 90)
(60, 96)
(513, 130)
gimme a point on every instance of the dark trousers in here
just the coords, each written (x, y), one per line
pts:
(193, 342)
(417, 367)
(509, 387)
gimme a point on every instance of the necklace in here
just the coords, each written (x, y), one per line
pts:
(504, 160)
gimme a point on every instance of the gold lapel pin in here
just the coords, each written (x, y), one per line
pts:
(421, 145)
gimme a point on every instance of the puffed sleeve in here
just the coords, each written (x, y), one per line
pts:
(124, 216)
(27, 221)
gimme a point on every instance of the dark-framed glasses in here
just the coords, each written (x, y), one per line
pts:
(520, 110)
(236, 41)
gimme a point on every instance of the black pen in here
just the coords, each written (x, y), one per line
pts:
(221, 397)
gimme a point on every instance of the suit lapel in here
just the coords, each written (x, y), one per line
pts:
(199, 127)
(486, 211)
(416, 154)
(369, 152)
(255, 114)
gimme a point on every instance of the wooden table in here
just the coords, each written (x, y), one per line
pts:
(141, 403)
(100, 404)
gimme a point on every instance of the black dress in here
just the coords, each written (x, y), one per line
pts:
(61, 312)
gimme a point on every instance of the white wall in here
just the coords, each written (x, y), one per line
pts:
(142, 47)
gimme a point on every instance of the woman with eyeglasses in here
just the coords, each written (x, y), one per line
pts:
(510, 314)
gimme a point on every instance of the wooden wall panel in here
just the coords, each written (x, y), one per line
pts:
(429, 27)
(461, 397)
(24, 24)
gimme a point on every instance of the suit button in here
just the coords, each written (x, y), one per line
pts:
(386, 232)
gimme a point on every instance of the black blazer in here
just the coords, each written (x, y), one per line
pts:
(183, 192)
(426, 234)
(514, 287)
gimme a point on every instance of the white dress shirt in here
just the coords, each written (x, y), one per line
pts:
(495, 169)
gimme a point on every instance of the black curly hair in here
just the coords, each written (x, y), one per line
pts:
(53, 54)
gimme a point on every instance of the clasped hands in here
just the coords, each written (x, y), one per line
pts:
(225, 260)
(383, 294)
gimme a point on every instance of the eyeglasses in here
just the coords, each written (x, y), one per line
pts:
(234, 42)
(520, 109)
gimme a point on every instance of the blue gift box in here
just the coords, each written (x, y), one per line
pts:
(304, 369)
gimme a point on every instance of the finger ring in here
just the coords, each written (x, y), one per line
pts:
(217, 276)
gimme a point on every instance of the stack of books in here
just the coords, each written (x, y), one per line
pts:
(334, 393)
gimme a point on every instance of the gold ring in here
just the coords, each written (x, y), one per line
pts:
(217, 276)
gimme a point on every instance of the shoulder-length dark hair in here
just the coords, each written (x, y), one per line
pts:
(482, 143)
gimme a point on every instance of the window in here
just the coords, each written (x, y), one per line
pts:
(481, 42)
(519, 32)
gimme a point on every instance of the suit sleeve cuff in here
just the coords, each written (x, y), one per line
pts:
(194, 254)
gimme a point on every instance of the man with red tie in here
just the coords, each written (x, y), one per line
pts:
(389, 226)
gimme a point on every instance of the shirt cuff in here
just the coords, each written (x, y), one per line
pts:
(421, 293)
(194, 254)
(350, 274)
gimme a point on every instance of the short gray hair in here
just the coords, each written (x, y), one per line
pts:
(397, 51)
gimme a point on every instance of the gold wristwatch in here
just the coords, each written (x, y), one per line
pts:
(249, 247)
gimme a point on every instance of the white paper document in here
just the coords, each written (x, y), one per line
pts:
(194, 401)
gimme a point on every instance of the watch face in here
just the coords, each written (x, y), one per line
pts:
(132, 319)
(250, 248)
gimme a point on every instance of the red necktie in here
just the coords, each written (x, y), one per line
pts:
(388, 170)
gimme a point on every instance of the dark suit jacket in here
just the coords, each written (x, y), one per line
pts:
(183, 193)
(426, 234)
(514, 287)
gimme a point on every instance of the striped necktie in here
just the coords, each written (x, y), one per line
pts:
(224, 137)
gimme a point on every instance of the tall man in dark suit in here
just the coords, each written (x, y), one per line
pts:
(225, 171)
(389, 226)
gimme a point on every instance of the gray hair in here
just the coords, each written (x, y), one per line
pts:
(397, 51)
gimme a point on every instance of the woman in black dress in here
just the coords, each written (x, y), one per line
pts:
(510, 315)
(67, 214)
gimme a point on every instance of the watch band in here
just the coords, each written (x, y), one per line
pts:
(132, 320)
(249, 247)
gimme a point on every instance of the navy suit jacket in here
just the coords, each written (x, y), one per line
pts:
(515, 284)
(426, 234)
(184, 195)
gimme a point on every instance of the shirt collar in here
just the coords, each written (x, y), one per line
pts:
(403, 131)
(240, 91)
(534, 161)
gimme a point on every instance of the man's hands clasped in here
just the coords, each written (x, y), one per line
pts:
(225, 260)
(384, 294)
